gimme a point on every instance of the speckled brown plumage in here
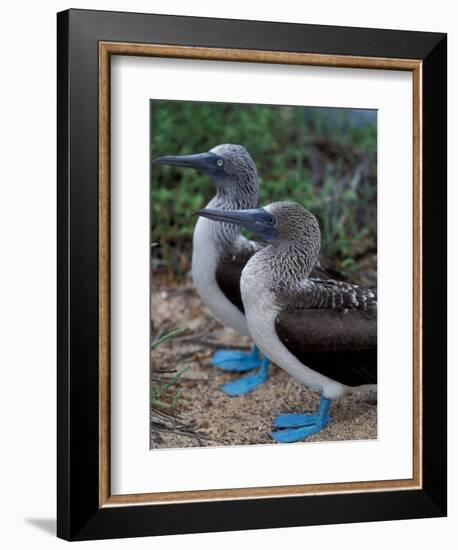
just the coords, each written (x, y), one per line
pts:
(329, 325)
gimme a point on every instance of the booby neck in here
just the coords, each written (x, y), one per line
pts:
(237, 193)
(230, 195)
(287, 265)
(212, 243)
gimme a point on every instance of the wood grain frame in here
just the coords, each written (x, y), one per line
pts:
(106, 51)
(87, 41)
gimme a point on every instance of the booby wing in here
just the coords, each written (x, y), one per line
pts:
(230, 267)
(331, 326)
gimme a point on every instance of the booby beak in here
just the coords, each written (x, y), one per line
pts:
(207, 163)
(257, 220)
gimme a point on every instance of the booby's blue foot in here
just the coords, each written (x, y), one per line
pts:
(292, 435)
(236, 361)
(296, 420)
(247, 383)
(300, 426)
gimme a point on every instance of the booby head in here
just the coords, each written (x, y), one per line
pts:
(292, 232)
(278, 222)
(230, 166)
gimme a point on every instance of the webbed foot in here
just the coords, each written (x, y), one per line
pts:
(297, 427)
(296, 420)
(236, 361)
(248, 383)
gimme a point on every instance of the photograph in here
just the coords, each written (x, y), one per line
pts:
(263, 276)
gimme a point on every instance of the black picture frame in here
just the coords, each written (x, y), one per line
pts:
(79, 515)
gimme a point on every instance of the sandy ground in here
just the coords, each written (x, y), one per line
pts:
(203, 415)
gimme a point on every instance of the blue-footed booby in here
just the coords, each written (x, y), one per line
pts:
(220, 252)
(322, 332)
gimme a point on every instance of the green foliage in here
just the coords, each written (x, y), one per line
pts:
(324, 159)
(163, 395)
(169, 336)
(159, 393)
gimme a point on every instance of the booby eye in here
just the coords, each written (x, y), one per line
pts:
(220, 163)
(271, 220)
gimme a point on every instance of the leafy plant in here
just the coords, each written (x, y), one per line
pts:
(158, 394)
(161, 397)
(168, 336)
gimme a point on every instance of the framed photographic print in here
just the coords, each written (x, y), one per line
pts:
(251, 299)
